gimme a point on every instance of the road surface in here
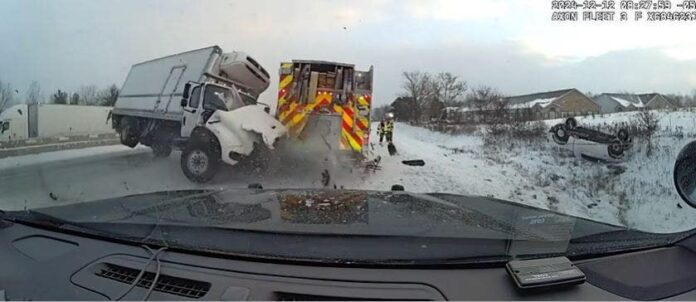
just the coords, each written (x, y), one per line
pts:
(89, 174)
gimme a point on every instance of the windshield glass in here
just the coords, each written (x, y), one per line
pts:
(221, 98)
(476, 111)
(247, 99)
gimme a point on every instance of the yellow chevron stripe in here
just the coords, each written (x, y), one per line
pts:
(348, 119)
(353, 144)
(362, 101)
(297, 118)
(285, 113)
(287, 80)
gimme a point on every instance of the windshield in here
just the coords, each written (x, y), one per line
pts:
(477, 112)
(222, 98)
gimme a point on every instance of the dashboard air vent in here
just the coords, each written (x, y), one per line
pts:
(165, 284)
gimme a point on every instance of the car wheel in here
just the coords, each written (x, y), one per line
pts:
(616, 149)
(623, 135)
(560, 134)
(571, 123)
(200, 161)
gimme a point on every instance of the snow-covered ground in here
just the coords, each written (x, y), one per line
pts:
(637, 193)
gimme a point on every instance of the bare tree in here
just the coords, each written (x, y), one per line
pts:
(418, 87)
(487, 101)
(448, 89)
(649, 124)
(88, 95)
(75, 99)
(60, 97)
(403, 108)
(34, 93)
(6, 95)
(108, 96)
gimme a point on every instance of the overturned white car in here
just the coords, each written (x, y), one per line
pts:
(591, 144)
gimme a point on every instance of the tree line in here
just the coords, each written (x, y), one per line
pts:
(85, 95)
(424, 95)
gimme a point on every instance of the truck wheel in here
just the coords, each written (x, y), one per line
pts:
(571, 123)
(129, 134)
(200, 161)
(560, 134)
(161, 149)
(616, 149)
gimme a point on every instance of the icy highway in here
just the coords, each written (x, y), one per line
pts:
(82, 175)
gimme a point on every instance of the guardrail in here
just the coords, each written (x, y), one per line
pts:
(48, 144)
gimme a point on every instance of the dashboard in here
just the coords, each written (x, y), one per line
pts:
(42, 264)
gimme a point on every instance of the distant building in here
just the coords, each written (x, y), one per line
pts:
(619, 102)
(544, 105)
(553, 104)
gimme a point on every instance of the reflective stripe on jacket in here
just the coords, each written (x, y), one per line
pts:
(388, 126)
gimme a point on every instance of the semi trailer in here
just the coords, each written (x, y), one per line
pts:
(203, 102)
(28, 121)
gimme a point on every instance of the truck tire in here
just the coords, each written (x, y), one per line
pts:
(200, 161)
(129, 134)
(161, 149)
(571, 123)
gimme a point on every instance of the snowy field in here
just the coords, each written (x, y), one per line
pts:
(637, 193)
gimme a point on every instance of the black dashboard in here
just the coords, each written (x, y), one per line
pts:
(41, 264)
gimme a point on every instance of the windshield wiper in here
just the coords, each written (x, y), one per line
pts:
(38, 218)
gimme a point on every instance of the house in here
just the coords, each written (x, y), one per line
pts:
(657, 101)
(544, 105)
(618, 102)
(552, 104)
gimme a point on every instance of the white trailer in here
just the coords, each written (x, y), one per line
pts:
(24, 121)
(201, 101)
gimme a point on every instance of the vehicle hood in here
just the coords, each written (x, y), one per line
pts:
(339, 212)
(254, 119)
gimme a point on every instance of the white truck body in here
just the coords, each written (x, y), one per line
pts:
(50, 120)
(202, 102)
(154, 88)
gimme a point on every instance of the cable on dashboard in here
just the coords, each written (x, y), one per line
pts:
(154, 254)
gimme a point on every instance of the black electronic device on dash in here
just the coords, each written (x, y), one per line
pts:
(543, 273)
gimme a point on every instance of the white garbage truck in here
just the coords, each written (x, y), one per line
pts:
(203, 102)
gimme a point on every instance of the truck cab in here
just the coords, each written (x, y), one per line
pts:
(202, 100)
(221, 124)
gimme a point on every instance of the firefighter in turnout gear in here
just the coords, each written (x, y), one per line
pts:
(386, 128)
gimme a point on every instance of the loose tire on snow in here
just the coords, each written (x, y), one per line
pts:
(560, 134)
(129, 134)
(200, 161)
(571, 123)
(615, 149)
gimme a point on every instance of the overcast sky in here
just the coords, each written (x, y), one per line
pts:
(510, 45)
